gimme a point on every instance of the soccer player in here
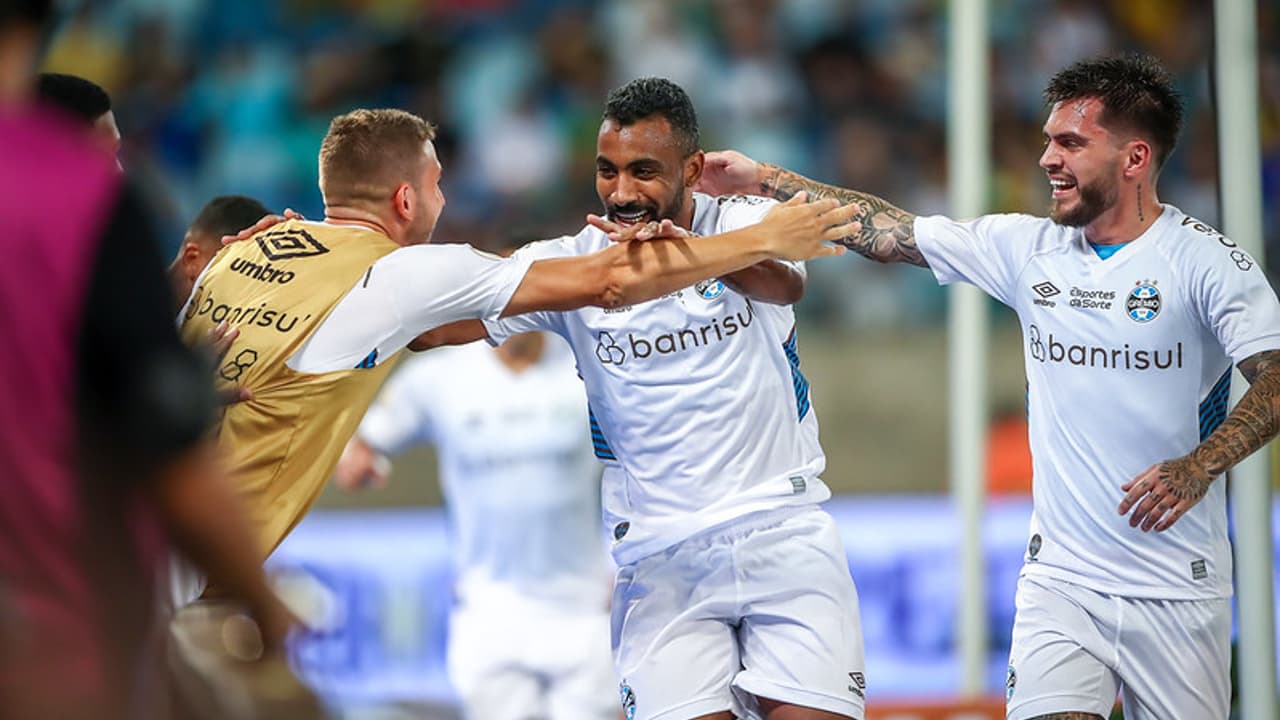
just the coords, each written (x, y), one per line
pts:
(102, 457)
(223, 215)
(321, 306)
(1133, 314)
(86, 102)
(529, 629)
(733, 593)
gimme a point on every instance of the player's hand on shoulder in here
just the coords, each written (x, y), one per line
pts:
(1164, 492)
(265, 223)
(728, 172)
(361, 467)
(802, 230)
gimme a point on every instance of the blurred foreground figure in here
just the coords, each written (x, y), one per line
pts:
(529, 630)
(102, 457)
(1133, 315)
(84, 101)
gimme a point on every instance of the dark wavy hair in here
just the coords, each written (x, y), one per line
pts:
(651, 96)
(1136, 92)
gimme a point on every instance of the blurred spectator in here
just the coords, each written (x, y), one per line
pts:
(234, 96)
(103, 458)
(83, 100)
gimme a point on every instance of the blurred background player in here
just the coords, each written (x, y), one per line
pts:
(1127, 396)
(102, 454)
(85, 101)
(733, 593)
(529, 631)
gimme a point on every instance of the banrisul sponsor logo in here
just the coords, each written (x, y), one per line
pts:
(618, 347)
(203, 303)
(1143, 303)
(1046, 347)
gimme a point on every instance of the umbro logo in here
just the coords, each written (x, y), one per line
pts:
(859, 686)
(289, 243)
(1046, 289)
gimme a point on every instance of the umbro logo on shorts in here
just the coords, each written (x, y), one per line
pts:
(859, 686)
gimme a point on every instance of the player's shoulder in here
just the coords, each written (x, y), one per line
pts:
(587, 240)
(1190, 241)
(728, 212)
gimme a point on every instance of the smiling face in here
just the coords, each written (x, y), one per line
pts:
(1083, 160)
(642, 173)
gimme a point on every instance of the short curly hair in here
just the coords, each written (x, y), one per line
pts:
(1136, 92)
(652, 96)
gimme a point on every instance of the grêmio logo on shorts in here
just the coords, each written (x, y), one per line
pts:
(616, 347)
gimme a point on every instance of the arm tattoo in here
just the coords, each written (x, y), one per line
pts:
(1253, 422)
(888, 233)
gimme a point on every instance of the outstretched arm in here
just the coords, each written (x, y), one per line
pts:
(887, 233)
(1165, 492)
(628, 273)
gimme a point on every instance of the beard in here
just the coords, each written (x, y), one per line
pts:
(655, 212)
(1095, 198)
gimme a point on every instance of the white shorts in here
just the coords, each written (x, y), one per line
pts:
(532, 660)
(761, 607)
(1074, 649)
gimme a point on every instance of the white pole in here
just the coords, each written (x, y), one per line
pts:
(1235, 40)
(968, 156)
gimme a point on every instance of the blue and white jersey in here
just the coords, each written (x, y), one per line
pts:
(699, 407)
(1128, 364)
(520, 484)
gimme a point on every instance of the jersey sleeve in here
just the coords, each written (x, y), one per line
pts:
(1237, 303)
(551, 321)
(739, 211)
(433, 285)
(401, 417)
(987, 252)
(406, 293)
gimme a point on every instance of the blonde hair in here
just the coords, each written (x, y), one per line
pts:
(367, 154)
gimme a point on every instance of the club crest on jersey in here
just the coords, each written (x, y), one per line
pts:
(709, 289)
(1143, 303)
(628, 700)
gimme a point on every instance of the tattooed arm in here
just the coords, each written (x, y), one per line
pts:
(1173, 487)
(887, 234)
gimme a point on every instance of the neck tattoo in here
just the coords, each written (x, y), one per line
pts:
(1140, 217)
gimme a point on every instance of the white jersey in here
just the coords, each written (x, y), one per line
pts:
(1128, 364)
(699, 408)
(520, 484)
(405, 293)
